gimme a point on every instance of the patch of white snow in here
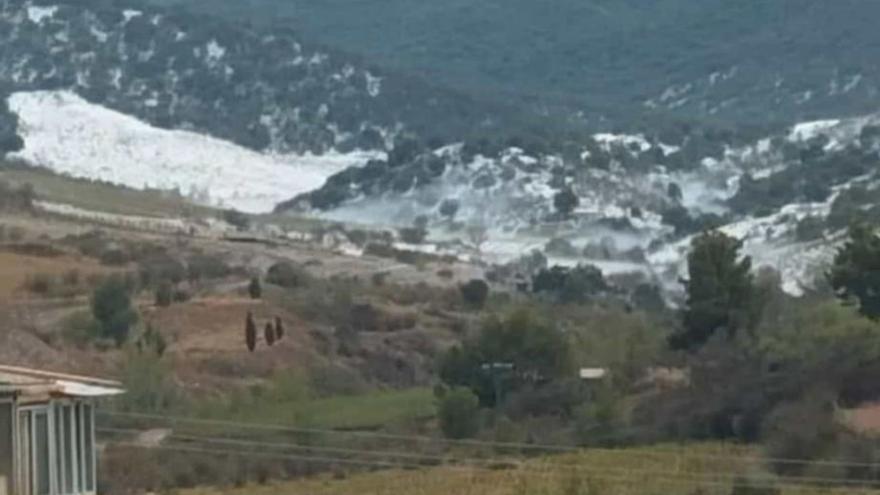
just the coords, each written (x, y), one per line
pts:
(69, 135)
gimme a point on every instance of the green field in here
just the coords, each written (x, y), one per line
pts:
(363, 411)
(102, 197)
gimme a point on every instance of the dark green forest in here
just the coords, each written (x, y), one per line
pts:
(611, 59)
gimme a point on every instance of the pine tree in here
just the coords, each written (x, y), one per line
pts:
(720, 290)
(269, 333)
(250, 332)
(279, 328)
(855, 275)
(565, 201)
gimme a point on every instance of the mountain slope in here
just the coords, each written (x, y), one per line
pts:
(260, 88)
(746, 62)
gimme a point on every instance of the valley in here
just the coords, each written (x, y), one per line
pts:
(388, 247)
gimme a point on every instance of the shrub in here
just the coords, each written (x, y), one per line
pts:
(40, 283)
(534, 350)
(286, 274)
(71, 278)
(114, 257)
(578, 284)
(475, 293)
(111, 306)
(80, 328)
(560, 247)
(149, 385)
(159, 268)
(237, 219)
(255, 289)
(180, 295)
(809, 228)
(459, 413)
(413, 235)
(565, 201)
(163, 294)
(203, 266)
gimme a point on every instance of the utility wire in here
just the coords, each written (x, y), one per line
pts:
(481, 462)
(682, 454)
(595, 473)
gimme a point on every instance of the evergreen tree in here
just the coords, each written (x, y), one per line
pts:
(250, 332)
(269, 333)
(719, 290)
(855, 275)
(565, 201)
(279, 328)
(111, 306)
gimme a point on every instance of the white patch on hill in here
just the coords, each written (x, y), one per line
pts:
(808, 130)
(69, 135)
(36, 14)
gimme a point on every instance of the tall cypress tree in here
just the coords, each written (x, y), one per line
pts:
(269, 333)
(250, 332)
(279, 328)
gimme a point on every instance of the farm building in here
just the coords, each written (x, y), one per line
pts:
(47, 431)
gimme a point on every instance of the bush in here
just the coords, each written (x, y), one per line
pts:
(159, 268)
(80, 328)
(40, 283)
(237, 219)
(565, 201)
(413, 235)
(802, 430)
(459, 413)
(205, 267)
(287, 275)
(111, 306)
(149, 385)
(114, 257)
(809, 228)
(163, 294)
(560, 247)
(534, 350)
(255, 288)
(475, 293)
(578, 284)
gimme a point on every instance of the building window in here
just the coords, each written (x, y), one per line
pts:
(6, 441)
(56, 448)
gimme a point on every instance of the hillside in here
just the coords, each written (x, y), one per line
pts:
(748, 62)
(261, 88)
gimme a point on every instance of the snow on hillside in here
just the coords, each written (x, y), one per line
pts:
(69, 135)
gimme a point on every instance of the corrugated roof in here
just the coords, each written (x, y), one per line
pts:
(29, 382)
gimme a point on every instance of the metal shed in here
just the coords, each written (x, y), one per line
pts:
(47, 431)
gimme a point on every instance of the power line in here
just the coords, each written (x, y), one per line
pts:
(488, 443)
(480, 462)
(594, 473)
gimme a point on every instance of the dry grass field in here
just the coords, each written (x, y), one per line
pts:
(707, 469)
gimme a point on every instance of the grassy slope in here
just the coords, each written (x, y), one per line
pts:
(363, 411)
(101, 197)
(707, 469)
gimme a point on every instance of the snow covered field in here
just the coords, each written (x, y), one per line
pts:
(71, 136)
